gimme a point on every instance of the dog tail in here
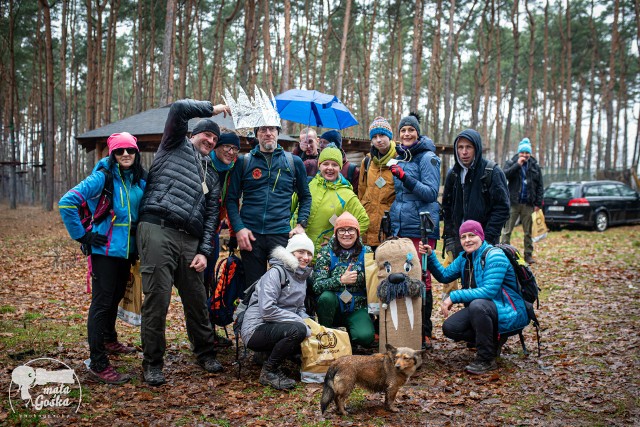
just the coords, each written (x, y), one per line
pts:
(328, 393)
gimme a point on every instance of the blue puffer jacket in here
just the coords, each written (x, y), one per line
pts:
(497, 282)
(126, 202)
(266, 191)
(419, 191)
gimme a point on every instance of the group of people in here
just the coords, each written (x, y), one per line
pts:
(312, 212)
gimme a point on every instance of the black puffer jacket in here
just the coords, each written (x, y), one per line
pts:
(535, 187)
(471, 201)
(174, 188)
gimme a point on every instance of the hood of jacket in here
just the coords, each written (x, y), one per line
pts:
(475, 138)
(280, 256)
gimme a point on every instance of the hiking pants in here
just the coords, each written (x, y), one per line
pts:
(523, 212)
(427, 304)
(255, 261)
(358, 323)
(109, 280)
(476, 324)
(281, 339)
(165, 256)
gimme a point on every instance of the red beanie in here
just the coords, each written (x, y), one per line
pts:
(122, 140)
(471, 226)
(346, 220)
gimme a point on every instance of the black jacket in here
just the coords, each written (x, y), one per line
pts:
(489, 206)
(535, 187)
(174, 189)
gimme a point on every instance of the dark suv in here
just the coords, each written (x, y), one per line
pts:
(596, 204)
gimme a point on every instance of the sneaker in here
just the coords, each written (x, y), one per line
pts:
(529, 259)
(427, 344)
(276, 379)
(211, 365)
(118, 348)
(109, 376)
(153, 376)
(479, 368)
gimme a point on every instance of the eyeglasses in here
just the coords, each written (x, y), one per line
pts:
(230, 149)
(344, 231)
(267, 129)
(121, 151)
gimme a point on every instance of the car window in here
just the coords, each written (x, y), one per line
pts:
(561, 191)
(627, 191)
(593, 191)
(609, 190)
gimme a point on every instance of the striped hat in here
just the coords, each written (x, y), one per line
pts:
(380, 125)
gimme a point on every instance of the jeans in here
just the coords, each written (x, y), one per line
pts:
(255, 261)
(476, 324)
(281, 339)
(165, 256)
(109, 281)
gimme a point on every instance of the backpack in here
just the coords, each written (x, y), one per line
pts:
(229, 282)
(249, 157)
(102, 211)
(351, 171)
(241, 309)
(527, 286)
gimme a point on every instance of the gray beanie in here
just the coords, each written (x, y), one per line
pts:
(410, 120)
(206, 125)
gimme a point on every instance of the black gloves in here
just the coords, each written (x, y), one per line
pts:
(450, 245)
(93, 239)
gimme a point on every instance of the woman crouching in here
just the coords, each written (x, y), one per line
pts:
(273, 322)
(492, 303)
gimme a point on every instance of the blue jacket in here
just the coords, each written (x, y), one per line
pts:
(126, 203)
(266, 192)
(419, 191)
(496, 282)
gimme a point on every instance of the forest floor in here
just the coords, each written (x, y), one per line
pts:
(588, 372)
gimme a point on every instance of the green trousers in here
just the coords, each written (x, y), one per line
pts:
(358, 324)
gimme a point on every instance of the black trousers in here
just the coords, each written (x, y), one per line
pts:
(255, 261)
(109, 280)
(476, 324)
(282, 339)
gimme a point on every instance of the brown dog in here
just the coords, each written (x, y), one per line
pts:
(381, 372)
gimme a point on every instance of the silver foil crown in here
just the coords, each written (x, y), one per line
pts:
(251, 113)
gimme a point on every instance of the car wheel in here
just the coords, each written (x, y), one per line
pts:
(601, 222)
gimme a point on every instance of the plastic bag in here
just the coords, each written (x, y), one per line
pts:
(321, 349)
(130, 307)
(538, 226)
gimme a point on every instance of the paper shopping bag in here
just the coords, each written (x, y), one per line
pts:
(130, 307)
(538, 227)
(319, 350)
(372, 280)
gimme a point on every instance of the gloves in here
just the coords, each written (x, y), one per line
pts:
(93, 239)
(450, 244)
(397, 171)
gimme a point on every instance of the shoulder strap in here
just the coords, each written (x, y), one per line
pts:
(483, 257)
(246, 160)
(284, 280)
(292, 169)
(487, 177)
(351, 171)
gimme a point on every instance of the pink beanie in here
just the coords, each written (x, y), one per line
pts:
(471, 226)
(346, 220)
(121, 140)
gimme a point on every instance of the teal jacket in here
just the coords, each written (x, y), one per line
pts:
(496, 282)
(121, 242)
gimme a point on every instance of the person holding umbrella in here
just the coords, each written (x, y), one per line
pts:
(417, 181)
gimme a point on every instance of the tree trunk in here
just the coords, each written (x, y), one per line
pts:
(498, 147)
(609, 86)
(166, 77)
(110, 60)
(447, 73)
(185, 48)
(50, 143)
(416, 54)
(366, 66)
(266, 36)
(513, 83)
(343, 48)
(577, 143)
(13, 109)
(435, 69)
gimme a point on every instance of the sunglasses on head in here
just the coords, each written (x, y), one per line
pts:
(120, 151)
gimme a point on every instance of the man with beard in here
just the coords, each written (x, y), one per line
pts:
(265, 179)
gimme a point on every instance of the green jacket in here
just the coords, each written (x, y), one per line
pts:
(327, 279)
(328, 201)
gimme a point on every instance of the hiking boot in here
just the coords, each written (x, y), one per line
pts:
(109, 376)
(221, 342)
(275, 378)
(427, 344)
(211, 365)
(479, 368)
(153, 375)
(118, 348)
(529, 259)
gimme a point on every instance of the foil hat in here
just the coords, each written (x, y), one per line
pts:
(252, 113)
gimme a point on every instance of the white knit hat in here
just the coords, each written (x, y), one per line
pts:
(298, 242)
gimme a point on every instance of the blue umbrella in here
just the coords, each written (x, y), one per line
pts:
(313, 108)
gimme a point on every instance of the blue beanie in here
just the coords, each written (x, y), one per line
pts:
(333, 136)
(228, 139)
(524, 146)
